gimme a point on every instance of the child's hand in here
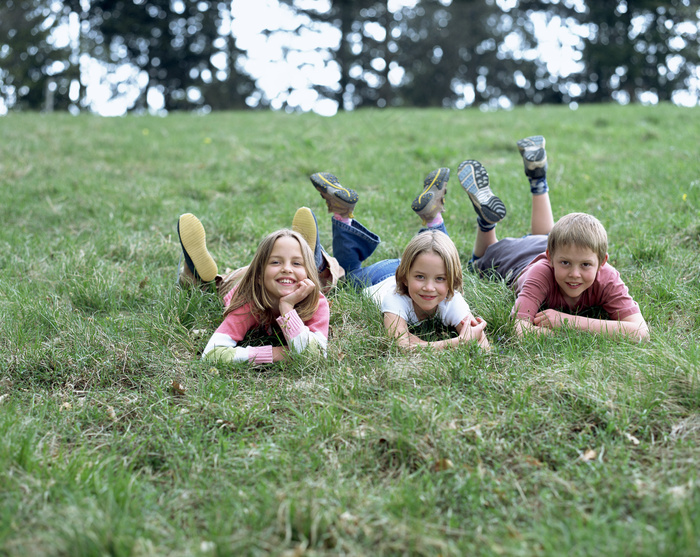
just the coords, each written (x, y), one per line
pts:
(474, 329)
(550, 319)
(303, 289)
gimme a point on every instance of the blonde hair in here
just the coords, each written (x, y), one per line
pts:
(251, 288)
(438, 243)
(580, 230)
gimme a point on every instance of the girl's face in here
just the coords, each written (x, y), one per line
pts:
(427, 283)
(284, 268)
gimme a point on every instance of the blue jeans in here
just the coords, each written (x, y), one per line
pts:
(353, 243)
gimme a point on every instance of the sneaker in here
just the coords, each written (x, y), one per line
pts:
(193, 240)
(534, 156)
(340, 200)
(475, 180)
(432, 200)
(304, 223)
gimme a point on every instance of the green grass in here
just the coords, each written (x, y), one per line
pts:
(569, 445)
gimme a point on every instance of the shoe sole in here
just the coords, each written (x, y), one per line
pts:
(534, 155)
(193, 240)
(305, 224)
(475, 181)
(336, 196)
(434, 190)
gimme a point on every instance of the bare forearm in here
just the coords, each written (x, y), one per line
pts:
(633, 326)
(407, 341)
(638, 331)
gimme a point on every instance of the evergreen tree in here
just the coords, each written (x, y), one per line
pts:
(457, 54)
(173, 44)
(34, 73)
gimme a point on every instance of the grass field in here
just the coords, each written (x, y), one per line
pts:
(569, 445)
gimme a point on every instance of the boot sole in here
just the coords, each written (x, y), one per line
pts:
(534, 155)
(329, 186)
(438, 182)
(475, 181)
(193, 239)
(305, 224)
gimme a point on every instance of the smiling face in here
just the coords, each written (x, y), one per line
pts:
(284, 269)
(427, 283)
(575, 269)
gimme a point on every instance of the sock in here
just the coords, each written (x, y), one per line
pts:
(538, 186)
(470, 264)
(483, 225)
(437, 221)
(345, 220)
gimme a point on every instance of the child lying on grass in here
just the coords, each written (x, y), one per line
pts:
(425, 283)
(560, 271)
(278, 293)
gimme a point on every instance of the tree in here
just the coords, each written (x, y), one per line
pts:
(630, 49)
(173, 43)
(438, 52)
(457, 54)
(639, 47)
(359, 83)
(35, 73)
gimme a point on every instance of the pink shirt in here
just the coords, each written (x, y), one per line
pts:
(536, 288)
(296, 332)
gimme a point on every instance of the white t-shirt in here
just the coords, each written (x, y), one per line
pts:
(450, 311)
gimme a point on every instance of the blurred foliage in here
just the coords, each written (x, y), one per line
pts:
(35, 72)
(433, 54)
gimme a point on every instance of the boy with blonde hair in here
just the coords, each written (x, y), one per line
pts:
(560, 272)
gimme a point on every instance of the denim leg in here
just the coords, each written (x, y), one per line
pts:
(440, 228)
(377, 272)
(374, 273)
(352, 244)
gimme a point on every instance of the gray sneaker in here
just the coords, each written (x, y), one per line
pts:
(431, 201)
(340, 200)
(534, 156)
(475, 181)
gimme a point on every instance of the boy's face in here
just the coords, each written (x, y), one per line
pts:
(427, 283)
(575, 269)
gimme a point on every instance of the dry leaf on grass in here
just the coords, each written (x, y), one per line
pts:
(532, 461)
(178, 388)
(442, 465)
(589, 455)
(631, 438)
(226, 424)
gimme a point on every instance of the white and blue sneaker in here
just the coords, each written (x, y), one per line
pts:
(475, 181)
(534, 156)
